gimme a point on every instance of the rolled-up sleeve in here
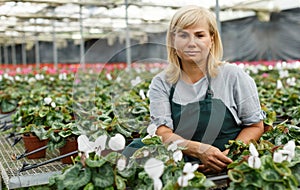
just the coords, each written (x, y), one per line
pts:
(247, 100)
(160, 109)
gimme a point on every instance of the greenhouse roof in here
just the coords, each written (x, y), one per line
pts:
(48, 20)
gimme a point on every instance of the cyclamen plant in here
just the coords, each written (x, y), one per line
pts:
(154, 166)
(266, 167)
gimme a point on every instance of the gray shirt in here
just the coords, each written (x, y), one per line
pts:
(233, 86)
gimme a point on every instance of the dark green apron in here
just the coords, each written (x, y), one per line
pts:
(208, 121)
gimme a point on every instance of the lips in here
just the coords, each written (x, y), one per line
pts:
(192, 53)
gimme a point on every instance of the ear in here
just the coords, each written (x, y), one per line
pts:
(212, 38)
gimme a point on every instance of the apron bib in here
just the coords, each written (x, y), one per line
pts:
(208, 121)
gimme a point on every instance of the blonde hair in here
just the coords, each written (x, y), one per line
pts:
(185, 17)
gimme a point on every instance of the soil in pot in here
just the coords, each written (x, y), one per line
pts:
(31, 143)
(70, 146)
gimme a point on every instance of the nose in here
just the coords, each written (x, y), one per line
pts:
(192, 41)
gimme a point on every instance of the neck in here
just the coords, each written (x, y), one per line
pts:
(193, 73)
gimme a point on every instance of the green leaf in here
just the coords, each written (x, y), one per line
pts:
(171, 174)
(271, 175)
(168, 186)
(122, 130)
(43, 111)
(53, 136)
(95, 163)
(235, 176)
(152, 140)
(40, 132)
(103, 176)
(73, 178)
(253, 178)
(9, 105)
(283, 169)
(129, 170)
(112, 157)
(198, 180)
(139, 110)
(65, 134)
(292, 182)
(120, 182)
(273, 186)
(89, 186)
(57, 125)
(296, 172)
(281, 139)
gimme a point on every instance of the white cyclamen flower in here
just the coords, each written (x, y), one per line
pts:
(121, 164)
(174, 145)
(47, 100)
(254, 161)
(142, 94)
(277, 157)
(136, 81)
(117, 142)
(108, 76)
(62, 76)
(154, 168)
(279, 84)
(291, 81)
(87, 146)
(151, 129)
(99, 144)
(18, 78)
(283, 73)
(119, 79)
(188, 173)
(53, 104)
(31, 80)
(39, 77)
(287, 153)
(177, 155)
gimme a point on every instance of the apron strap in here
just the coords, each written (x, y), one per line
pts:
(172, 92)
(209, 92)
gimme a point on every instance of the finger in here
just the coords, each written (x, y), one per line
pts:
(223, 158)
(202, 168)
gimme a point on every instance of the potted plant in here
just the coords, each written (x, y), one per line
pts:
(64, 137)
(34, 137)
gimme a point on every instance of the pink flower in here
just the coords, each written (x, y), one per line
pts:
(265, 75)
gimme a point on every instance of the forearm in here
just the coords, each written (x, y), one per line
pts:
(253, 131)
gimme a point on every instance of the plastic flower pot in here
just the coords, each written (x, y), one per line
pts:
(70, 146)
(31, 143)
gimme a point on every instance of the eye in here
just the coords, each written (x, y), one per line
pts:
(182, 35)
(199, 35)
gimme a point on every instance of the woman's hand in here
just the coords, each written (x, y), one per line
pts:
(213, 160)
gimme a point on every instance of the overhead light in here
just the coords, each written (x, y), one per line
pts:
(76, 36)
(95, 31)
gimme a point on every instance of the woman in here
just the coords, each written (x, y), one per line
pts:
(198, 98)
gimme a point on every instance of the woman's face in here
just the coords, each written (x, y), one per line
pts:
(193, 44)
